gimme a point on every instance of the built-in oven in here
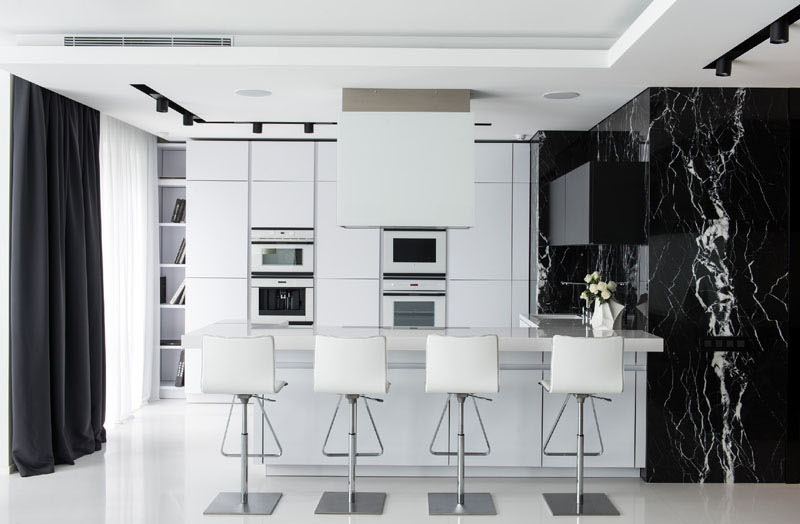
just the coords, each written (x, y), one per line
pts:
(414, 251)
(281, 250)
(275, 300)
(414, 302)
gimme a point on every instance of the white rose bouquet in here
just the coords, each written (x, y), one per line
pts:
(597, 289)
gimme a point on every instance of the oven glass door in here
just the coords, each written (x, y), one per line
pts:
(414, 310)
(282, 258)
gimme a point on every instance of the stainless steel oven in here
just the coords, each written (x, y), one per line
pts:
(274, 300)
(414, 251)
(412, 302)
(281, 250)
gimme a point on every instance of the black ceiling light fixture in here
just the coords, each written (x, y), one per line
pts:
(258, 127)
(188, 119)
(308, 128)
(162, 104)
(777, 33)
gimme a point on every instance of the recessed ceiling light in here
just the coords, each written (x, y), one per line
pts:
(253, 93)
(561, 95)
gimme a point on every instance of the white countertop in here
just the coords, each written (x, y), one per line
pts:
(409, 339)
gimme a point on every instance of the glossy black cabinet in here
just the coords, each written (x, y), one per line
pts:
(598, 203)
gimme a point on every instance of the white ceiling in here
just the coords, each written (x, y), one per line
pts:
(508, 52)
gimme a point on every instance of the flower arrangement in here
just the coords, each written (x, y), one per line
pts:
(597, 289)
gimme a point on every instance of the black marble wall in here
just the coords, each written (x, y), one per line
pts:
(716, 263)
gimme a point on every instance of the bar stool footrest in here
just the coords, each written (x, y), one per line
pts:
(474, 504)
(564, 504)
(230, 503)
(337, 503)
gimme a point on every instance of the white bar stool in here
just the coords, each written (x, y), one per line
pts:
(352, 368)
(583, 367)
(461, 366)
(243, 367)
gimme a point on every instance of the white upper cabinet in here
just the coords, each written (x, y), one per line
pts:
(478, 303)
(484, 251)
(522, 163)
(326, 161)
(282, 204)
(493, 162)
(521, 228)
(283, 161)
(216, 160)
(216, 229)
(343, 253)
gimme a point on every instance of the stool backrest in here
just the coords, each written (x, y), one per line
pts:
(586, 365)
(238, 365)
(461, 364)
(350, 365)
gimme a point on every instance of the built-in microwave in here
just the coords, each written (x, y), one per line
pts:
(409, 302)
(414, 251)
(275, 300)
(281, 250)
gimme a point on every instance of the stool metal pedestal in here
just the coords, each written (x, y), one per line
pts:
(350, 502)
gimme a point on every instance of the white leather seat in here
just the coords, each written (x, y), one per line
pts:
(239, 366)
(461, 364)
(584, 365)
(350, 366)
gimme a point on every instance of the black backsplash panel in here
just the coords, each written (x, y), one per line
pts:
(716, 264)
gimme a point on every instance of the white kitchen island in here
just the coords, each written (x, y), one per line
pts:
(515, 420)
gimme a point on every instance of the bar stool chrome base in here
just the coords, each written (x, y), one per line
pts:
(594, 504)
(230, 503)
(337, 503)
(474, 504)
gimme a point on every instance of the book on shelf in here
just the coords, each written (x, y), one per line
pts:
(179, 211)
(180, 252)
(180, 375)
(176, 297)
(163, 290)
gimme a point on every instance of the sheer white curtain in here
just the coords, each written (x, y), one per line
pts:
(129, 213)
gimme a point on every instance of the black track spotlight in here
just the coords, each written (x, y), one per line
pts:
(723, 66)
(162, 104)
(308, 128)
(188, 119)
(779, 32)
(258, 127)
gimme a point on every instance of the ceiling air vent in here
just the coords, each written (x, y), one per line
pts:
(148, 41)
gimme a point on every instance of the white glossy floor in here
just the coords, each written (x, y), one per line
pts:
(163, 467)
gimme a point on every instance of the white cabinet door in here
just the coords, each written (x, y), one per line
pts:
(521, 231)
(520, 303)
(346, 302)
(210, 160)
(343, 253)
(282, 204)
(512, 420)
(282, 161)
(484, 251)
(216, 229)
(493, 162)
(326, 161)
(617, 425)
(210, 300)
(478, 303)
(522, 163)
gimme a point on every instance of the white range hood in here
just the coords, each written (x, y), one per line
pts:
(406, 169)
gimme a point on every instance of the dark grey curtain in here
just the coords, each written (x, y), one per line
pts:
(57, 328)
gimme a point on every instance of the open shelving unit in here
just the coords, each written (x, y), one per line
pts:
(171, 187)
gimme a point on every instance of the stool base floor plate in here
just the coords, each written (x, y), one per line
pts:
(336, 503)
(474, 504)
(562, 504)
(230, 503)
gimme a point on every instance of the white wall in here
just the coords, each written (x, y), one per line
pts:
(5, 205)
